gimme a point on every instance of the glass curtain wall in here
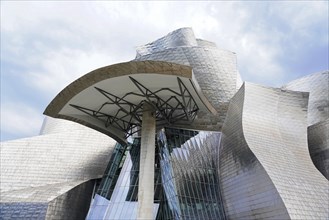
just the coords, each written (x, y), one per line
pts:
(186, 182)
(189, 175)
(117, 196)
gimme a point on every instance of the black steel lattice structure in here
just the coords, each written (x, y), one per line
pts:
(178, 107)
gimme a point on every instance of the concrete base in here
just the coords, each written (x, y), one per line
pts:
(146, 167)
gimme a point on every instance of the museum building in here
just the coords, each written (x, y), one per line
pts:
(174, 134)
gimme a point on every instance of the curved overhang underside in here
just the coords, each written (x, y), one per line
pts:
(110, 99)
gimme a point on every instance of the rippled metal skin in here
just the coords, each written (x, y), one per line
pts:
(258, 168)
(51, 176)
(318, 143)
(53, 126)
(215, 70)
(264, 165)
(317, 84)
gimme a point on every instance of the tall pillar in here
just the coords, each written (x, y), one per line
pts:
(146, 164)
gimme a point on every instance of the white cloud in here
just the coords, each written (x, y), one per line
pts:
(21, 119)
(55, 42)
(61, 67)
(302, 14)
(237, 29)
(266, 35)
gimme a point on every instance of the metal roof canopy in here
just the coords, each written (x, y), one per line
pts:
(110, 99)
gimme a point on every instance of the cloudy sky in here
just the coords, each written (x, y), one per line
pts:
(46, 45)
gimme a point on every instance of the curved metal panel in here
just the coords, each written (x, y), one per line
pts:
(318, 144)
(54, 158)
(177, 38)
(317, 84)
(247, 189)
(215, 70)
(267, 160)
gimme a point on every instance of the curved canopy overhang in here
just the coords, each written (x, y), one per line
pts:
(110, 99)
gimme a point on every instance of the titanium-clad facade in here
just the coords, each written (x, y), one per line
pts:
(240, 170)
(215, 70)
(317, 85)
(52, 176)
(318, 115)
(265, 167)
(318, 143)
(251, 152)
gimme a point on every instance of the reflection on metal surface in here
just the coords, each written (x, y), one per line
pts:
(265, 167)
(186, 182)
(259, 167)
(189, 177)
(318, 144)
(52, 175)
(317, 84)
(215, 70)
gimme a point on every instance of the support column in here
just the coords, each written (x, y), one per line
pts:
(146, 164)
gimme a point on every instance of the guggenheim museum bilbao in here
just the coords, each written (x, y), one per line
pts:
(174, 134)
